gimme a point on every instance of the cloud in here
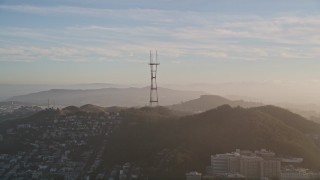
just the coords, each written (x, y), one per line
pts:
(176, 34)
(55, 10)
(152, 15)
(30, 54)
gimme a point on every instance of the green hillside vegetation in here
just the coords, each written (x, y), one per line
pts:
(172, 146)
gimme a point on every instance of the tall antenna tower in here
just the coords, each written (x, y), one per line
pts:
(153, 87)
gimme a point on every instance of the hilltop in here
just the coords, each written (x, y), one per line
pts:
(206, 102)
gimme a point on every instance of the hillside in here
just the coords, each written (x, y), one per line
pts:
(166, 144)
(106, 97)
(171, 147)
(206, 102)
(291, 119)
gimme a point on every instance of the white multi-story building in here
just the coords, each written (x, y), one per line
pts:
(247, 164)
(225, 163)
(271, 168)
(251, 167)
(219, 164)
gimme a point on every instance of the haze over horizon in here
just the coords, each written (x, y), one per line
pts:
(255, 44)
(236, 94)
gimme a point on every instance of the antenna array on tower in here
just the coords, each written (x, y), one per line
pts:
(153, 87)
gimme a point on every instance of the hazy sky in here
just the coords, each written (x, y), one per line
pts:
(90, 41)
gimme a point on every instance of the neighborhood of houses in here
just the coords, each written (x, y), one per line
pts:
(66, 147)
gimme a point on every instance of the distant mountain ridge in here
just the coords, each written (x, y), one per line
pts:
(10, 90)
(126, 97)
(206, 102)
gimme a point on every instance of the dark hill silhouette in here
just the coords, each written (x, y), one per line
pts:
(93, 108)
(71, 109)
(88, 108)
(171, 147)
(291, 119)
(206, 102)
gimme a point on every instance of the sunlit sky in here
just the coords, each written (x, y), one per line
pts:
(198, 41)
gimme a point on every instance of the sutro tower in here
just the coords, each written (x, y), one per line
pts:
(153, 87)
